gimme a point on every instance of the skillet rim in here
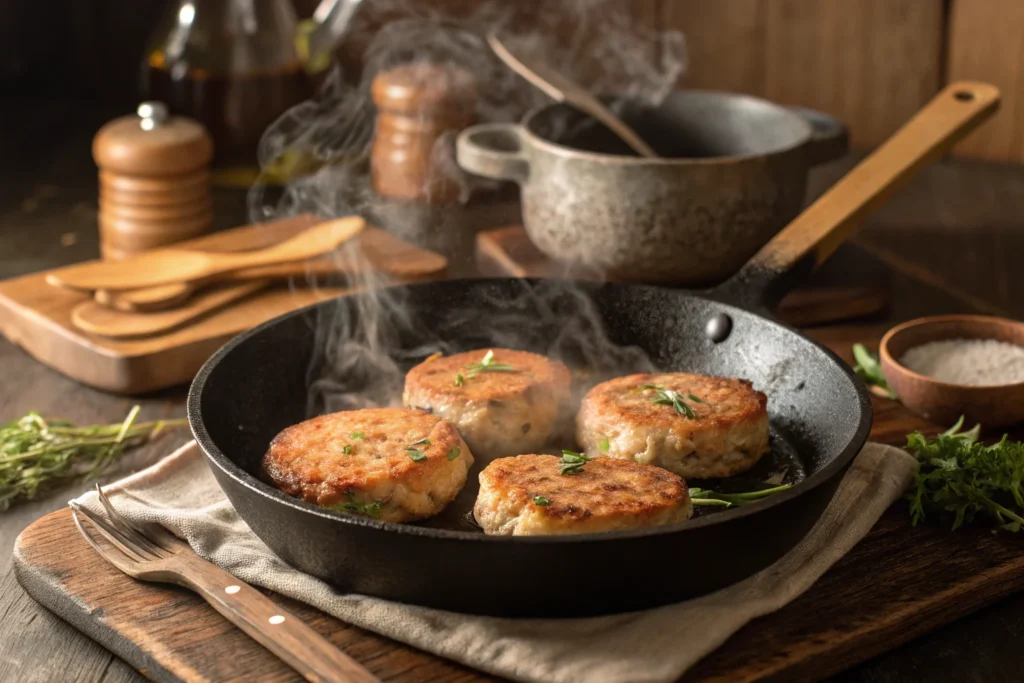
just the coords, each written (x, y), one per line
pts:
(215, 456)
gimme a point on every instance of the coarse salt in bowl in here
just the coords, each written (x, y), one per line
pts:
(943, 367)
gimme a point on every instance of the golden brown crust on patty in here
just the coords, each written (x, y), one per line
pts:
(498, 413)
(363, 456)
(727, 434)
(606, 495)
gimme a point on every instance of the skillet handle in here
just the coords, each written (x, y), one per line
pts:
(813, 235)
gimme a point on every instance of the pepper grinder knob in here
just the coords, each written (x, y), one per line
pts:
(153, 114)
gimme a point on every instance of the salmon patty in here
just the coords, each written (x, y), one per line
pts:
(502, 402)
(393, 464)
(693, 425)
(529, 495)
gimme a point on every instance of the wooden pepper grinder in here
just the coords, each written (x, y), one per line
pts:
(154, 181)
(417, 104)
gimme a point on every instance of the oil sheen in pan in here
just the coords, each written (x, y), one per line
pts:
(781, 465)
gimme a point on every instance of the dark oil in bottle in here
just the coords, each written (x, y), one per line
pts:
(235, 108)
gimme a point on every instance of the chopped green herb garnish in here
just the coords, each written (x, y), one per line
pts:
(541, 500)
(454, 452)
(869, 370)
(710, 498)
(421, 442)
(459, 380)
(365, 509)
(603, 445)
(416, 454)
(959, 479)
(668, 397)
(358, 435)
(572, 462)
(346, 449)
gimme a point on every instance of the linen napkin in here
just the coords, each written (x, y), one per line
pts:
(656, 645)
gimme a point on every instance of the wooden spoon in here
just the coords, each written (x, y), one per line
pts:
(94, 318)
(382, 252)
(168, 266)
(561, 89)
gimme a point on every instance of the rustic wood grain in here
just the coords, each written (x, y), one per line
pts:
(38, 317)
(986, 42)
(898, 583)
(724, 43)
(871, 63)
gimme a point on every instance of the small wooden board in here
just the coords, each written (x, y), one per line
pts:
(508, 251)
(896, 584)
(37, 316)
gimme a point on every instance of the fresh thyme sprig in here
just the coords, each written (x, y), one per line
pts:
(486, 364)
(669, 397)
(710, 498)
(572, 462)
(869, 370)
(38, 454)
(959, 479)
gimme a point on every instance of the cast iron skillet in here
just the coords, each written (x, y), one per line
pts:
(257, 384)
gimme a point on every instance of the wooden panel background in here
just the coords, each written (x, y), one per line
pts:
(872, 63)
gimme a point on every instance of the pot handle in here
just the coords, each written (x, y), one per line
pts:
(829, 138)
(813, 235)
(493, 150)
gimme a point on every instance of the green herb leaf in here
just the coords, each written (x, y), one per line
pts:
(415, 454)
(365, 509)
(358, 435)
(486, 364)
(454, 452)
(603, 445)
(459, 380)
(572, 462)
(38, 454)
(541, 500)
(421, 442)
(707, 497)
(869, 370)
(669, 397)
(960, 479)
(346, 449)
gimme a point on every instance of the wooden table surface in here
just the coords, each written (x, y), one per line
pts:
(947, 244)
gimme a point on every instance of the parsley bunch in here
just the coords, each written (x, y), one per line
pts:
(960, 479)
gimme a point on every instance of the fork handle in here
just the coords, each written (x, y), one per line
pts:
(279, 631)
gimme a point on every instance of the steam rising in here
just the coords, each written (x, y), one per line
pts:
(365, 343)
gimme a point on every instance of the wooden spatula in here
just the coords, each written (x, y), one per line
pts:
(382, 253)
(168, 266)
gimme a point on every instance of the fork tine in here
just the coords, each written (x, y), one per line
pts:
(114, 536)
(127, 528)
(119, 560)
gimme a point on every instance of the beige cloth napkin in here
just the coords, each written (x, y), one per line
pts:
(656, 645)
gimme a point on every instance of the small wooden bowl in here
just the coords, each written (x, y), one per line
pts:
(991, 406)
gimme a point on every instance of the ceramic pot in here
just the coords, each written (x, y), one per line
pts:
(732, 173)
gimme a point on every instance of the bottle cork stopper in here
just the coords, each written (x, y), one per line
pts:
(152, 143)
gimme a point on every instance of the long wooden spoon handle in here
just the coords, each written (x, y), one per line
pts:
(279, 631)
(823, 226)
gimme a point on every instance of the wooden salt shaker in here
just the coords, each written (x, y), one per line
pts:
(154, 181)
(417, 104)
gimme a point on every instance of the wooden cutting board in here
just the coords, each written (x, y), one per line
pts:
(508, 251)
(37, 316)
(897, 583)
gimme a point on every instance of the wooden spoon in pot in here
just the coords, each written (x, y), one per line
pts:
(167, 266)
(561, 89)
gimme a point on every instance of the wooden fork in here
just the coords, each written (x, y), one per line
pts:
(157, 555)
